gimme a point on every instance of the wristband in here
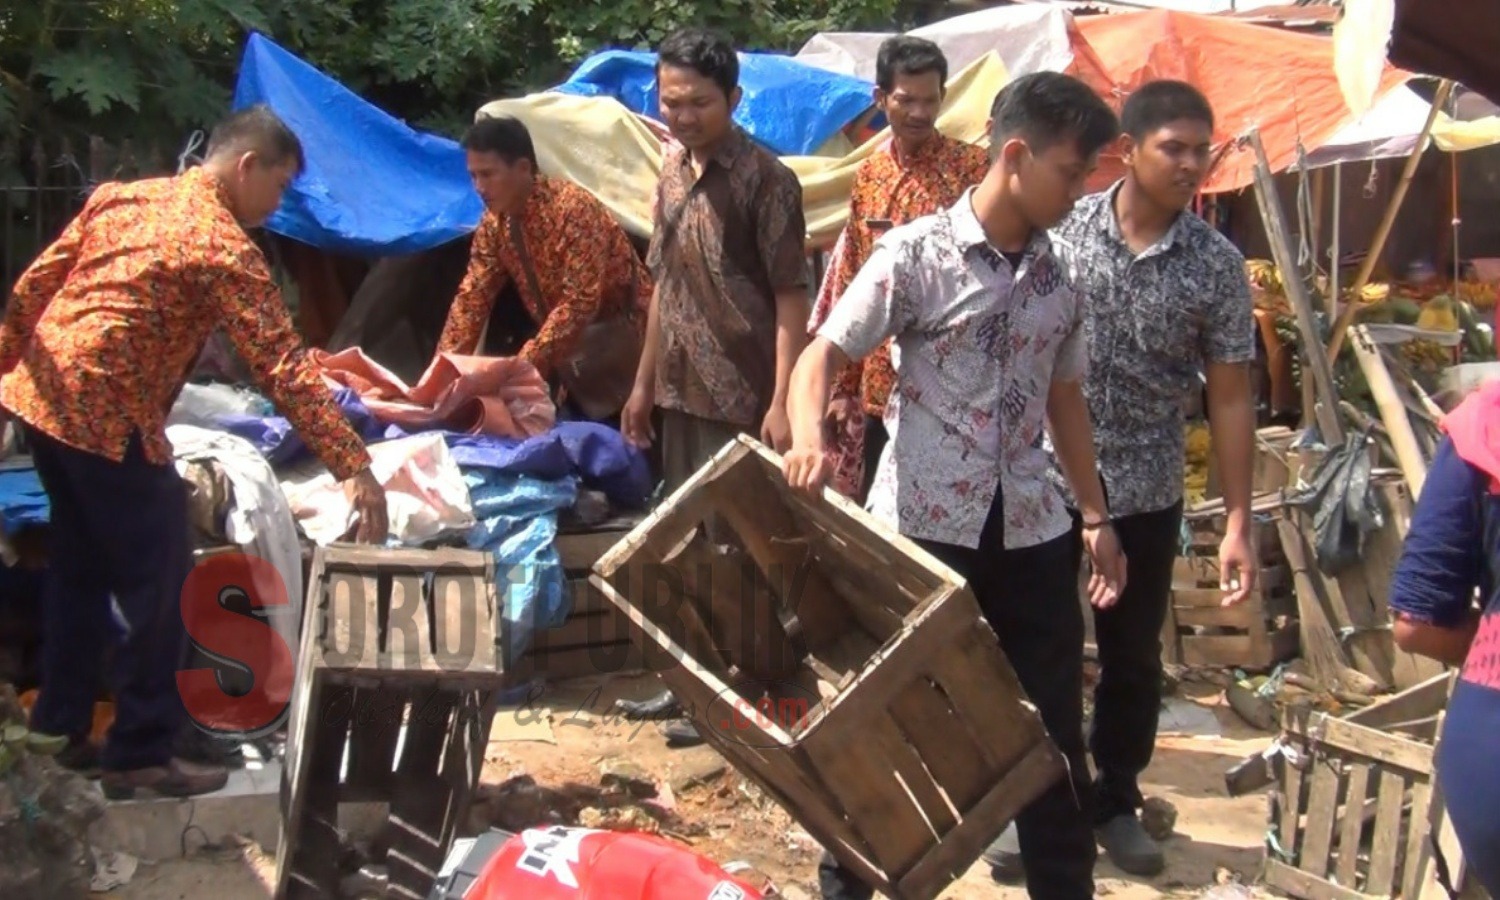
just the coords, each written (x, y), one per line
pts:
(1095, 526)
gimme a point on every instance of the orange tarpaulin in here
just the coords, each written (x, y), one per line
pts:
(1277, 80)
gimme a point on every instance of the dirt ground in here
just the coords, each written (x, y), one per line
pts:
(569, 735)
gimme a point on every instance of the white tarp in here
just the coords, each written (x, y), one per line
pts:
(1026, 38)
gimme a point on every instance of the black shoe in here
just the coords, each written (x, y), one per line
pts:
(661, 707)
(837, 883)
(194, 746)
(81, 757)
(682, 733)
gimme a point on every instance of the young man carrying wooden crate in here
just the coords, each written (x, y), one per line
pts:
(989, 344)
(1166, 296)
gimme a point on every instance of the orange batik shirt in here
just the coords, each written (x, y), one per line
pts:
(886, 193)
(103, 329)
(584, 265)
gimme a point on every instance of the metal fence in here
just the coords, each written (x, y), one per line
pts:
(55, 177)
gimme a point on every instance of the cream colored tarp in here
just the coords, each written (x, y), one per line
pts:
(602, 146)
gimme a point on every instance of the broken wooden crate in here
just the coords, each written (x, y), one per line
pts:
(595, 637)
(1358, 807)
(838, 665)
(1255, 634)
(395, 691)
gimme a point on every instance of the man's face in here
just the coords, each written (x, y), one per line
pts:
(694, 107)
(1171, 162)
(912, 106)
(1048, 183)
(259, 186)
(501, 185)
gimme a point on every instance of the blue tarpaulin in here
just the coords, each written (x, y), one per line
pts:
(373, 185)
(788, 106)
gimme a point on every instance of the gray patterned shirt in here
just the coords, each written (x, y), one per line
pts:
(1152, 322)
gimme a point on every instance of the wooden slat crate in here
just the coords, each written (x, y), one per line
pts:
(836, 664)
(595, 638)
(1255, 634)
(1357, 802)
(395, 692)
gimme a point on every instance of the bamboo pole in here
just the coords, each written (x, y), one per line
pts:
(1388, 221)
(1273, 216)
(1409, 455)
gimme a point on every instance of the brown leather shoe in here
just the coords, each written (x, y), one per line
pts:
(177, 778)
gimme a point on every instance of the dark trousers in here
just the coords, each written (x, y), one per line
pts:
(1030, 598)
(1128, 696)
(121, 529)
(875, 440)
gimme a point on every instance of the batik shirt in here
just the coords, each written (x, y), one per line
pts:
(724, 243)
(103, 329)
(583, 262)
(887, 192)
(1153, 322)
(977, 347)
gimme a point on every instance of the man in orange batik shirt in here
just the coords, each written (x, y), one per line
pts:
(571, 261)
(99, 337)
(918, 172)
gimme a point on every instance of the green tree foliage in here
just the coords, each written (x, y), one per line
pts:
(157, 69)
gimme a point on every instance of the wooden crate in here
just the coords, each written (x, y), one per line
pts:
(1255, 634)
(595, 638)
(839, 666)
(1357, 802)
(395, 692)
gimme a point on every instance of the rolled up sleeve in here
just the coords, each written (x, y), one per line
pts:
(1442, 561)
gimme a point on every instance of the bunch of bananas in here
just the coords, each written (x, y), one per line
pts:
(1426, 356)
(1195, 477)
(1479, 294)
(1264, 275)
(1375, 292)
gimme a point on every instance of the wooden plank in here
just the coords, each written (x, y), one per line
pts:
(349, 632)
(1242, 616)
(588, 630)
(1352, 831)
(968, 675)
(408, 633)
(585, 598)
(580, 550)
(860, 776)
(1322, 802)
(312, 869)
(1419, 701)
(1357, 740)
(1382, 870)
(1418, 856)
(1033, 774)
(1305, 885)
(1294, 787)
(465, 613)
(421, 801)
(902, 756)
(1223, 651)
(376, 716)
(436, 559)
(923, 715)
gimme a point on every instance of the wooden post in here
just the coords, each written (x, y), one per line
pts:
(1274, 217)
(1409, 454)
(1383, 232)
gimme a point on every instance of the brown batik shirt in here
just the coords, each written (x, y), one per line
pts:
(724, 243)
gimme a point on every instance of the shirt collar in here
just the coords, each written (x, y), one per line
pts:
(969, 233)
(1175, 233)
(202, 179)
(734, 145)
(930, 152)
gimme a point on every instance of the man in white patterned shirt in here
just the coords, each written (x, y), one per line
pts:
(988, 345)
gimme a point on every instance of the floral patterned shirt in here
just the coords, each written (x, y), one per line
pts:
(585, 269)
(1153, 321)
(977, 346)
(887, 192)
(103, 329)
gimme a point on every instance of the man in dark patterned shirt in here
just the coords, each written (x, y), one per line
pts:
(1167, 297)
(729, 314)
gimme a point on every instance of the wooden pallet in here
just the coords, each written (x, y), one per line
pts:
(1255, 634)
(1358, 801)
(395, 692)
(594, 639)
(839, 666)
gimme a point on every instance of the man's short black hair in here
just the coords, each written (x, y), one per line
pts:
(905, 55)
(256, 129)
(505, 136)
(707, 52)
(1044, 108)
(1158, 103)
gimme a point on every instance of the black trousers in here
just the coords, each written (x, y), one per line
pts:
(1030, 598)
(1127, 699)
(875, 440)
(121, 529)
